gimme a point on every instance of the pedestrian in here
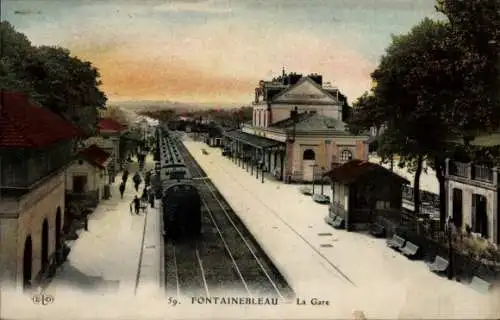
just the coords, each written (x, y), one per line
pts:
(137, 181)
(137, 205)
(125, 176)
(144, 196)
(151, 197)
(122, 189)
(147, 178)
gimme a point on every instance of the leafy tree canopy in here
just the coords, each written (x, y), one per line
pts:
(474, 30)
(65, 84)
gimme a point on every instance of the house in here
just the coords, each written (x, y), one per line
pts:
(87, 177)
(472, 198)
(472, 191)
(108, 138)
(36, 146)
(297, 132)
(358, 196)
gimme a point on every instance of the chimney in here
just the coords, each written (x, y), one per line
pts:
(317, 78)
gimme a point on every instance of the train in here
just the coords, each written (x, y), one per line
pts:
(180, 198)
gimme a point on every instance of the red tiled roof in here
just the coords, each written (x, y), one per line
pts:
(353, 170)
(110, 125)
(95, 155)
(23, 124)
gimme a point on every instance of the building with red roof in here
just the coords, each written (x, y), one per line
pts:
(108, 125)
(23, 124)
(87, 176)
(36, 146)
(109, 132)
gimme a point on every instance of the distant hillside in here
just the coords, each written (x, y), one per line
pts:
(152, 105)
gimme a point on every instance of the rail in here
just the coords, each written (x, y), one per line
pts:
(244, 264)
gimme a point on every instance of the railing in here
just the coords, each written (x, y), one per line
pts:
(459, 169)
(472, 172)
(426, 197)
(482, 173)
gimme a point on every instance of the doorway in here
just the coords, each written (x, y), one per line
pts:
(27, 263)
(58, 229)
(480, 215)
(308, 162)
(45, 245)
(457, 207)
(79, 184)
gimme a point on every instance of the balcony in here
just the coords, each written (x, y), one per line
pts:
(472, 172)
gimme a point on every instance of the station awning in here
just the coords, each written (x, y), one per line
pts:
(252, 140)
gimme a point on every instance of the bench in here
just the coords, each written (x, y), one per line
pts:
(338, 222)
(410, 250)
(480, 285)
(396, 242)
(377, 230)
(439, 265)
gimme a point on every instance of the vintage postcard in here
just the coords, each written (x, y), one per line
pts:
(249, 159)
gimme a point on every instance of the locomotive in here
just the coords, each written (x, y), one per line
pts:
(181, 200)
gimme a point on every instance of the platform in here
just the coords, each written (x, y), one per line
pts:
(356, 271)
(120, 252)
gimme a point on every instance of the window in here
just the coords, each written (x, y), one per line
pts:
(308, 155)
(346, 155)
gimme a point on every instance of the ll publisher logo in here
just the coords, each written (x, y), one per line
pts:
(42, 299)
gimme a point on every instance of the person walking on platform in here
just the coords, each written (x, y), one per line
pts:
(137, 205)
(137, 181)
(151, 197)
(122, 189)
(144, 196)
(125, 176)
(147, 178)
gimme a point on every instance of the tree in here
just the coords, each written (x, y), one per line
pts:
(14, 48)
(414, 87)
(473, 26)
(65, 84)
(366, 112)
(437, 82)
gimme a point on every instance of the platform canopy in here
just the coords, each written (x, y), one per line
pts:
(252, 140)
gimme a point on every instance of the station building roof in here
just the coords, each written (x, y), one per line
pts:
(24, 124)
(253, 140)
(353, 170)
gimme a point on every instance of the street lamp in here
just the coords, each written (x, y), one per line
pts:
(314, 176)
(322, 180)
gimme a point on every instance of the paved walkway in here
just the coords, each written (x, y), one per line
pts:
(106, 256)
(288, 226)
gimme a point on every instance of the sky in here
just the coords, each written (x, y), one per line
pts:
(216, 51)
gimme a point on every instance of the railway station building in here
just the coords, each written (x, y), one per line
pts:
(36, 147)
(297, 132)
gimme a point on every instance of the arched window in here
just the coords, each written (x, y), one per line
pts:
(346, 155)
(308, 155)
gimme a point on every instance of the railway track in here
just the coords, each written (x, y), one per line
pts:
(226, 258)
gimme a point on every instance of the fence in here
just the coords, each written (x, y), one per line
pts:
(471, 256)
(426, 197)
